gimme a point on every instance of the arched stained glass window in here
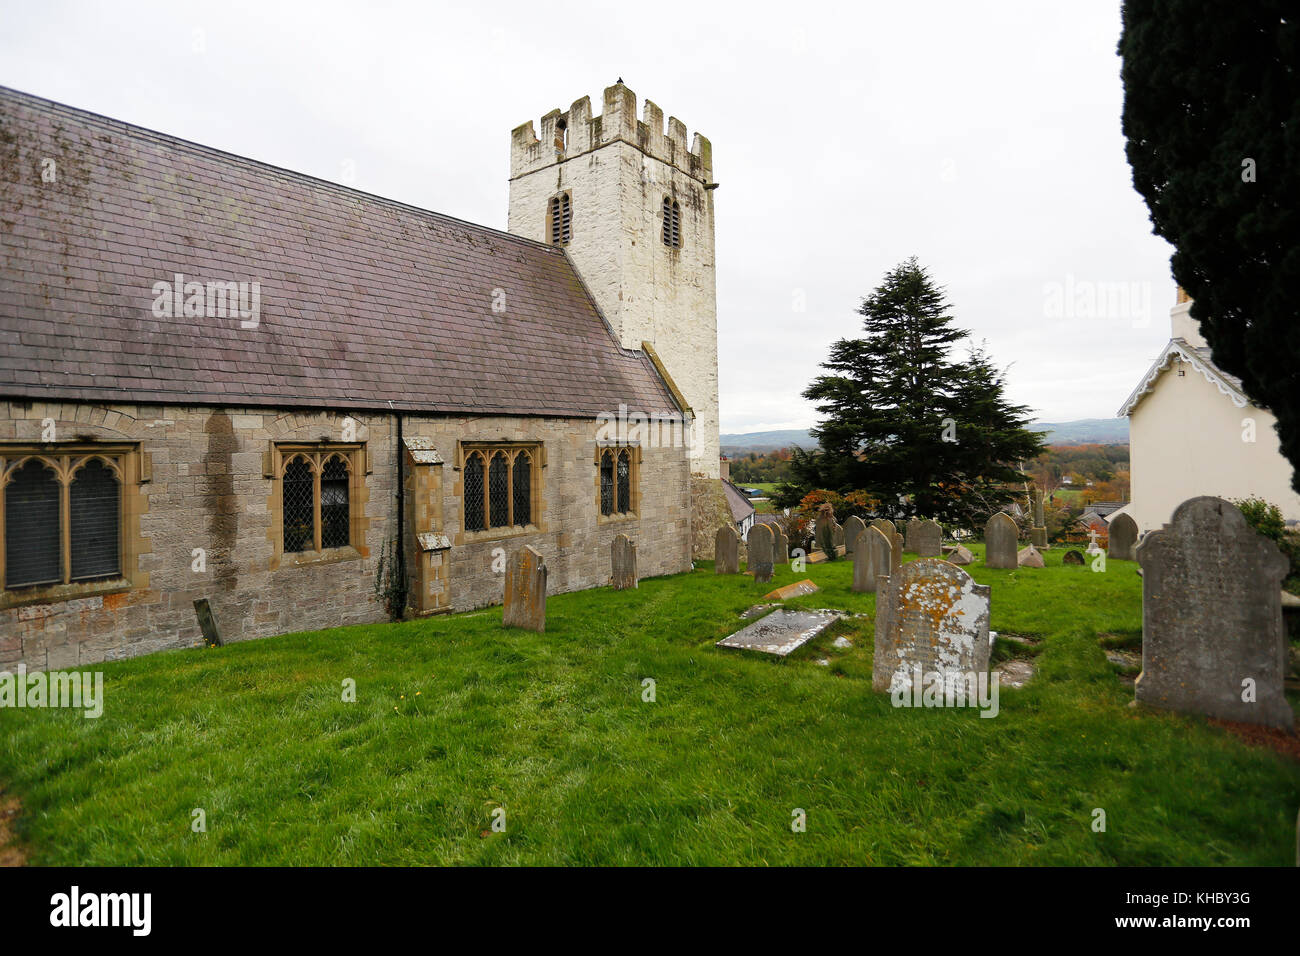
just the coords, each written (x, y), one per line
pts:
(94, 500)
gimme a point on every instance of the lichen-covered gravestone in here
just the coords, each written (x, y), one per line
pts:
(928, 541)
(909, 534)
(1123, 533)
(1000, 537)
(759, 543)
(852, 528)
(623, 557)
(871, 560)
(1212, 637)
(726, 551)
(525, 597)
(933, 615)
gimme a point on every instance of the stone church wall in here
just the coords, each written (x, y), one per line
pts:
(203, 484)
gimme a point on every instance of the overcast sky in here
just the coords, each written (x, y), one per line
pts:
(983, 138)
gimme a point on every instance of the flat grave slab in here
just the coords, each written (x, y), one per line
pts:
(781, 632)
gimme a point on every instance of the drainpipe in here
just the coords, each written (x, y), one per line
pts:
(400, 557)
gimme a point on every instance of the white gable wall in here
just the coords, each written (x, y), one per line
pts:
(1186, 439)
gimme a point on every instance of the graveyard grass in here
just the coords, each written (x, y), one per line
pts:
(456, 717)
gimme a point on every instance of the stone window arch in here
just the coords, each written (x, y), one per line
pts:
(672, 223)
(559, 219)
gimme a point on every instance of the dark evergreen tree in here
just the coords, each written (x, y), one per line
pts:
(1212, 117)
(921, 433)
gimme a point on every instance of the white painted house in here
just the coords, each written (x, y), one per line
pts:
(1193, 431)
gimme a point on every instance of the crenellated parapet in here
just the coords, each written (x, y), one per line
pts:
(565, 135)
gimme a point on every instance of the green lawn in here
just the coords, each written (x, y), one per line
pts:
(456, 717)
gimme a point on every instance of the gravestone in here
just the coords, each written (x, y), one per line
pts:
(798, 589)
(1212, 617)
(896, 553)
(780, 546)
(928, 541)
(825, 525)
(525, 600)
(207, 623)
(1000, 534)
(933, 615)
(852, 528)
(1072, 557)
(781, 632)
(871, 561)
(1028, 557)
(1123, 534)
(726, 551)
(1093, 546)
(1037, 530)
(960, 556)
(838, 530)
(909, 535)
(760, 552)
(623, 557)
(885, 525)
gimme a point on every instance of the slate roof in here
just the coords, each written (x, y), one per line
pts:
(739, 504)
(363, 301)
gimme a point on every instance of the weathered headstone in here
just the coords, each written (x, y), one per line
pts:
(1038, 529)
(885, 525)
(623, 558)
(909, 534)
(525, 599)
(798, 589)
(838, 530)
(207, 623)
(726, 551)
(1000, 534)
(1072, 557)
(961, 556)
(852, 528)
(780, 546)
(1123, 534)
(1212, 637)
(896, 553)
(759, 542)
(782, 631)
(871, 560)
(928, 541)
(931, 615)
(1028, 557)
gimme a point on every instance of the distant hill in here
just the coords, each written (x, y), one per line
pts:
(1085, 431)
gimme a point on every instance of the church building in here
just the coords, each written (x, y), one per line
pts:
(1193, 431)
(227, 381)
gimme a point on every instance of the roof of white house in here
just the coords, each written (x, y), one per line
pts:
(1200, 360)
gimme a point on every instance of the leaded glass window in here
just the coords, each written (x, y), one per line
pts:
(474, 493)
(299, 506)
(607, 483)
(94, 502)
(33, 536)
(335, 516)
(499, 491)
(521, 490)
(624, 481)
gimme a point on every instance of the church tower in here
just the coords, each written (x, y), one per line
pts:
(632, 206)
